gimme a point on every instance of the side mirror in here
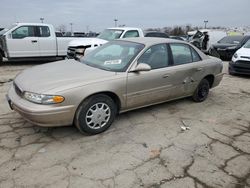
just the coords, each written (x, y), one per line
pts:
(141, 67)
(10, 36)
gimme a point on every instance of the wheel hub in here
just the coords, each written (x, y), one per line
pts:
(98, 115)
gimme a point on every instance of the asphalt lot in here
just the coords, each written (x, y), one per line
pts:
(143, 148)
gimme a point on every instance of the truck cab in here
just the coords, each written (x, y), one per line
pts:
(32, 41)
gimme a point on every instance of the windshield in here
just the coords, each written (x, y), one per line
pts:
(114, 56)
(247, 45)
(110, 34)
(231, 40)
(7, 29)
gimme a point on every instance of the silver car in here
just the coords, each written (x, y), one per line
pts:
(117, 77)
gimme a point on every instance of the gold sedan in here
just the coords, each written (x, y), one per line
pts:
(119, 76)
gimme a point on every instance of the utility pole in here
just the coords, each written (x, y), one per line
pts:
(41, 20)
(71, 28)
(205, 22)
(116, 20)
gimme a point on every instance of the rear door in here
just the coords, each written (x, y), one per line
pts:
(23, 42)
(47, 41)
(188, 67)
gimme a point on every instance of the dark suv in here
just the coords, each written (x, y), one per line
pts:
(227, 46)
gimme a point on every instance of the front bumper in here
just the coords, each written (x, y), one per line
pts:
(225, 53)
(239, 67)
(42, 115)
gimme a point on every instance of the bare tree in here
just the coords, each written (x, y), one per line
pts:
(62, 28)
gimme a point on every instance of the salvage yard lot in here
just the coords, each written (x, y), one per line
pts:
(143, 148)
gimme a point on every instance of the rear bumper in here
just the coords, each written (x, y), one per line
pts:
(239, 67)
(42, 115)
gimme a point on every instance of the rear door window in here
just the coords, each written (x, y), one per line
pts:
(195, 55)
(181, 54)
(43, 31)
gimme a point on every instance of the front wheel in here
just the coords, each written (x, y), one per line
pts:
(96, 114)
(201, 91)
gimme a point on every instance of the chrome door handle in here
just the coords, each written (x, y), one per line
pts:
(199, 69)
(165, 76)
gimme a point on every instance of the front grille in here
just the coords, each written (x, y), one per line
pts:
(19, 92)
(241, 62)
(241, 67)
(71, 52)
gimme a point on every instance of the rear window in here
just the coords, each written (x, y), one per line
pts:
(43, 31)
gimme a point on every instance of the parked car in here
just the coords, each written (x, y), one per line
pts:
(119, 76)
(156, 34)
(79, 47)
(240, 63)
(227, 46)
(32, 41)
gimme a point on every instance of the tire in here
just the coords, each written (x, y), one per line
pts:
(95, 114)
(201, 91)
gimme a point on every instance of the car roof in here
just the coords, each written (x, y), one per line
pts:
(148, 41)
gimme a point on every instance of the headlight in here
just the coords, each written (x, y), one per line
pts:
(80, 50)
(43, 99)
(235, 55)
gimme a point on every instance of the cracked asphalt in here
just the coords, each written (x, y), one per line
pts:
(143, 148)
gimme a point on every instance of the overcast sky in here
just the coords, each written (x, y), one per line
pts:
(99, 14)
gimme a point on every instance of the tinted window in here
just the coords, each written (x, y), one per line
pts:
(156, 56)
(195, 55)
(129, 34)
(44, 31)
(23, 31)
(181, 54)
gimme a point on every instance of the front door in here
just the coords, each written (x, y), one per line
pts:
(23, 42)
(154, 86)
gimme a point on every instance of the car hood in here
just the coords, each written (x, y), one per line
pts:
(86, 42)
(223, 46)
(59, 76)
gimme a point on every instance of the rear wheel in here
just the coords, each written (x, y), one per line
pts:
(201, 91)
(96, 114)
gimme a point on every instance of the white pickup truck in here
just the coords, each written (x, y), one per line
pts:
(77, 48)
(32, 41)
